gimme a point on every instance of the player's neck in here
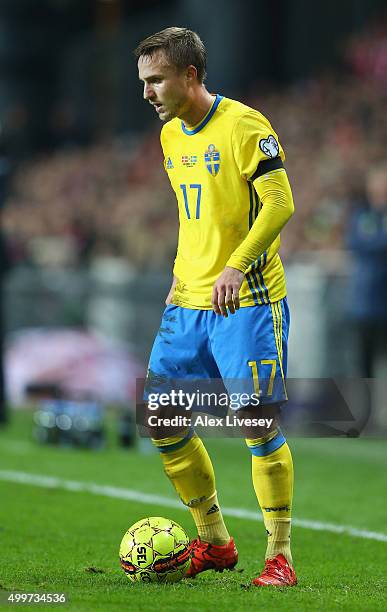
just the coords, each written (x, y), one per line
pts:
(198, 108)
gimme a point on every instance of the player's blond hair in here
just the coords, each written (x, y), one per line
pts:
(181, 46)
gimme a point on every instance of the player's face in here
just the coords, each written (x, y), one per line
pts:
(164, 86)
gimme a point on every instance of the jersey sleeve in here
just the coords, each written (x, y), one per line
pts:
(256, 147)
(276, 197)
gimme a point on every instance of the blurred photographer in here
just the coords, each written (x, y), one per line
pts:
(367, 239)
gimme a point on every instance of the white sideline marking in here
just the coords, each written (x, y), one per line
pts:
(52, 482)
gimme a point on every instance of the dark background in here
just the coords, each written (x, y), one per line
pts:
(67, 72)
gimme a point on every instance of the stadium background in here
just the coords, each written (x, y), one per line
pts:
(89, 222)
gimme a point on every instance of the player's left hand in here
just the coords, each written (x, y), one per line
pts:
(225, 293)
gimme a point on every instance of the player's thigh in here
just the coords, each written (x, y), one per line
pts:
(180, 349)
(250, 349)
(179, 361)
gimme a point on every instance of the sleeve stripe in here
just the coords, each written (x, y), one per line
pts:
(267, 165)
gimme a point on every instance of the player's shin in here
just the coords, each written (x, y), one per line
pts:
(189, 468)
(272, 473)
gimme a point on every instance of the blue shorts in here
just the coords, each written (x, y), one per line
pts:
(247, 351)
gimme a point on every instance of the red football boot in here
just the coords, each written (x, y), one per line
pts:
(277, 573)
(207, 556)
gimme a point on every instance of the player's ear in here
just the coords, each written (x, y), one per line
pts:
(191, 74)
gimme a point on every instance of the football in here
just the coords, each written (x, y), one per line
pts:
(155, 549)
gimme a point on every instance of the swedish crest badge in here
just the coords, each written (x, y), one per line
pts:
(212, 160)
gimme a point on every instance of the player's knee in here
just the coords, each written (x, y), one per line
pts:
(175, 442)
(263, 446)
(259, 422)
(163, 422)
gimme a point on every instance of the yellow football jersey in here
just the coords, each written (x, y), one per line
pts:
(211, 168)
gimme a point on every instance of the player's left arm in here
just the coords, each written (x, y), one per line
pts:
(261, 162)
(276, 197)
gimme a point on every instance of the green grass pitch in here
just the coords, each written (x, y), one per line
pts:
(55, 540)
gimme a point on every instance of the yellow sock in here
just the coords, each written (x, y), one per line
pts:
(190, 470)
(209, 521)
(273, 483)
(278, 538)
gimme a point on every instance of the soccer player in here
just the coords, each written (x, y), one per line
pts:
(227, 315)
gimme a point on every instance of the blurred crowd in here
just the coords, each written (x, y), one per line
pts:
(110, 199)
(113, 198)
